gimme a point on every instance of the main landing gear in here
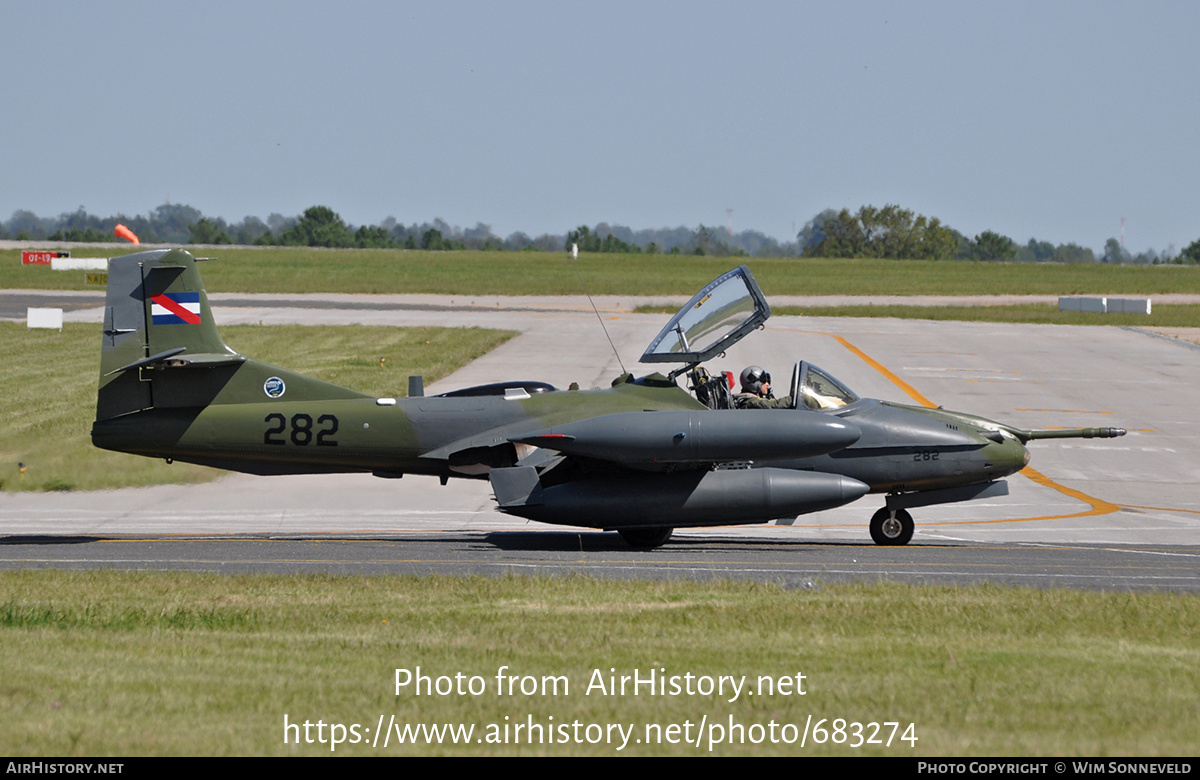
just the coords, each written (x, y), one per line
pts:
(892, 527)
(646, 538)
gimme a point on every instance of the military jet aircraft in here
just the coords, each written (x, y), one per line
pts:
(641, 457)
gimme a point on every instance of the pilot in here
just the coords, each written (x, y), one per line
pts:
(756, 391)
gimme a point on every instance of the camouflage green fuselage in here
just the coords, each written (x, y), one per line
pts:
(224, 417)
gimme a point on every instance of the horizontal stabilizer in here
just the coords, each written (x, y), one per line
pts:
(175, 358)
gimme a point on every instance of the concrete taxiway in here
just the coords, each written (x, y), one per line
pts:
(1089, 513)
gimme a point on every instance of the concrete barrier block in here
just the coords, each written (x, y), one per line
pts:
(1083, 303)
(1129, 305)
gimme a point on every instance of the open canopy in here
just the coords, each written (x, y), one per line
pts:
(714, 319)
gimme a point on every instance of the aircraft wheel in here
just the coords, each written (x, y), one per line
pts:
(892, 528)
(645, 538)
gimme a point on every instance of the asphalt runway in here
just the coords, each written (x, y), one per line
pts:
(796, 564)
(1121, 513)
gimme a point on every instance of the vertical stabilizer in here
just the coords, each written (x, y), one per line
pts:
(155, 308)
(177, 312)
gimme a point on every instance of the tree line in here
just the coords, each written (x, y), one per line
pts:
(878, 232)
(893, 232)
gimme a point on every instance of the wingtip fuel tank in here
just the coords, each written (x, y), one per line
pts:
(686, 498)
(683, 436)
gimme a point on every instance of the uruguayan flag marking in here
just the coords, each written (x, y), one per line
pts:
(176, 309)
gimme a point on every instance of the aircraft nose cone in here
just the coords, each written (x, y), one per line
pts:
(1007, 457)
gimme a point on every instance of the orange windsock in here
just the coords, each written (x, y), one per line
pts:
(123, 232)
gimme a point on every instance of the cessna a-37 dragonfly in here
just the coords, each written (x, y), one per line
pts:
(641, 457)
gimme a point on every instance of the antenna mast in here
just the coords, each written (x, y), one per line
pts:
(574, 256)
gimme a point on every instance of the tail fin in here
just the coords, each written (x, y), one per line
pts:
(161, 349)
(155, 310)
(171, 388)
(156, 303)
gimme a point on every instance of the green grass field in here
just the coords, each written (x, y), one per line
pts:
(107, 663)
(48, 391)
(301, 270)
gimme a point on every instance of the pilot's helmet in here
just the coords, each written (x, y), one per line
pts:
(753, 378)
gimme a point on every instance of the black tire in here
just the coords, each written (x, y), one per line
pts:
(892, 530)
(646, 538)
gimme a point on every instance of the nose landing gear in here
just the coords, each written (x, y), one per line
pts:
(892, 527)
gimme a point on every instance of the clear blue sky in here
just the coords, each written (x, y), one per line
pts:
(1044, 119)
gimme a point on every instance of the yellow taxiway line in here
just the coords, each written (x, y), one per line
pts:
(1098, 505)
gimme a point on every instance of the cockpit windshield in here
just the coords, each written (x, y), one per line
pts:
(714, 319)
(819, 390)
